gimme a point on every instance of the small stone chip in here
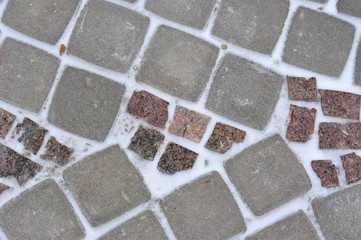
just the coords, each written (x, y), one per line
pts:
(32, 135)
(176, 158)
(301, 89)
(352, 165)
(339, 136)
(57, 152)
(326, 171)
(302, 123)
(6, 121)
(3, 187)
(223, 136)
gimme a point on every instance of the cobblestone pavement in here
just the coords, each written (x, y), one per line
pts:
(182, 119)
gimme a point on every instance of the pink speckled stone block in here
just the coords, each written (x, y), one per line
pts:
(6, 121)
(3, 187)
(302, 123)
(339, 136)
(326, 171)
(352, 165)
(301, 89)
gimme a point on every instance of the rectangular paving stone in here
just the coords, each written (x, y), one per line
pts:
(85, 104)
(106, 185)
(314, 36)
(301, 89)
(267, 175)
(302, 123)
(326, 171)
(27, 74)
(339, 136)
(3, 188)
(108, 35)
(32, 135)
(177, 63)
(43, 212)
(349, 7)
(6, 121)
(357, 74)
(244, 92)
(352, 165)
(57, 152)
(203, 209)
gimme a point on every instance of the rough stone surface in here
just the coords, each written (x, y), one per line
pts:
(350, 7)
(223, 137)
(318, 42)
(176, 158)
(203, 209)
(149, 107)
(108, 35)
(57, 152)
(340, 104)
(85, 104)
(6, 121)
(189, 124)
(357, 76)
(339, 136)
(302, 123)
(106, 185)
(352, 165)
(177, 63)
(27, 74)
(32, 135)
(326, 171)
(3, 187)
(244, 92)
(42, 20)
(301, 89)
(339, 214)
(267, 175)
(42, 213)
(146, 142)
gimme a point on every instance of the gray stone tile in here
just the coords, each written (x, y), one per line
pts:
(297, 226)
(106, 185)
(268, 175)
(350, 7)
(255, 25)
(244, 92)
(203, 209)
(191, 13)
(177, 63)
(339, 214)
(145, 226)
(43, 212)
(85, 104)
(357, 76)
(318, 42)
(27, 74)
(108, 35)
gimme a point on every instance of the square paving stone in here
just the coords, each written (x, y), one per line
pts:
(27, 74)
(85, 104)
(244, 92)
(6, 121)
(57, 152)
(106, 185)
(350, 7)
(339, 136)
(302, 123)
(301, 89)
(339, 214)
(357, 76)
(318, 42)
(254, 25)
(326, 171)
(352, 165)
(108, 35)
(32, 135)
(42, 212)
(268, 175)
(203, 209)
(142, 227)
(39, 19)
(177, 63)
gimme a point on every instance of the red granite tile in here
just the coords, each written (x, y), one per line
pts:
(176, 158)
(3, 187)
(6, 121)
(32, 135)
(326, 171)
(223, 136)
(340, 104)
(57, 152)
(189, 124)
(352, 165)
(339, 136)
(149, 107)
(301, 89)
(302, 123)
(146, 142)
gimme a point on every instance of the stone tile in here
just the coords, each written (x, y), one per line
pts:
(301, 89)
(42, 212)
(268, 175)
(177, 63)
(339, 136)
(146, 142)
(149, 107)
(32, 135)
(296, 226)
(339, 214)
(255, 25)
(326, 171)
(313, 36)
(176, 158)
(203, 209)
(352, 165)
(3, 187)
(85, 104)
(189, 124)
(108, 35)
(350, 7)
(57, 152)
(42, 20)
(191, 13)
(302, 123)
(340, 104)
(27, 74)
(106, 185)
(240, 90)
(6, 121)
(223, 137)
(145, 226)
(357, 75)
